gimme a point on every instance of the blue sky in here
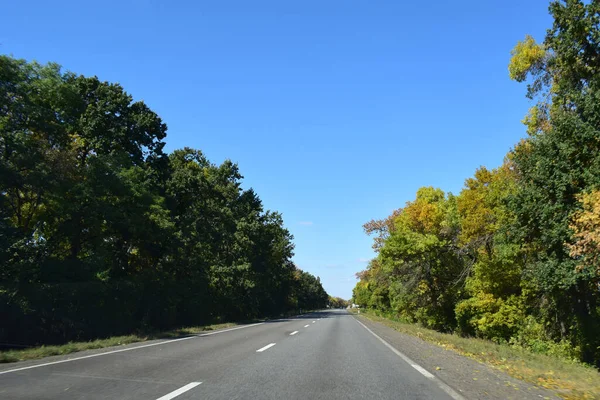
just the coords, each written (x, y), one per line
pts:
(336, 111)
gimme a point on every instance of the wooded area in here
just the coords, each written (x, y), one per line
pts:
(515, 256)
(103, 233)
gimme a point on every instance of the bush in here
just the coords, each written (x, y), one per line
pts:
(488, 317)
(532, 336)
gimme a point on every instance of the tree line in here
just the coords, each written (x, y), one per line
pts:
(103, 233)
(515, 256)
(337, 302)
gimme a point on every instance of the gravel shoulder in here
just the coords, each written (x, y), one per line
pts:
(470, 378)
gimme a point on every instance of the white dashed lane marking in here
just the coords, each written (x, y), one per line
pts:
(179, 391)
(265, 348)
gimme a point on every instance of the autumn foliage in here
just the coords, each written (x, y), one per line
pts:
(515, 257)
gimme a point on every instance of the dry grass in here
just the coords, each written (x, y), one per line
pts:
(570, 379)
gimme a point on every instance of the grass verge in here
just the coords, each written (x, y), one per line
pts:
(33, 353)
(569, 379)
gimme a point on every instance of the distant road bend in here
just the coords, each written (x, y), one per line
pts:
(322, 355)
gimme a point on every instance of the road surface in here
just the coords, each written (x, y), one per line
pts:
(322, 355)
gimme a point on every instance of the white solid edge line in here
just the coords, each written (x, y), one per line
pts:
(265, 348)
(416, 366)
(179, 391)
(230, 329)
(94, 355)
(306, 326)
(127, 349)
(293, 333)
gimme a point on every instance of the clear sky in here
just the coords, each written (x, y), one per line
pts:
(337, 111)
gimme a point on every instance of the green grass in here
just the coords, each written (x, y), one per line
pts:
(33, 353)
(570, 379)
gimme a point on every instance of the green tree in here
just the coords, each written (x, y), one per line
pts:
(102, 233)
(417, 274)
(558, 161)
(309, 291)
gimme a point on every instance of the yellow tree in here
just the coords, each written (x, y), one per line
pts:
(493, 309)
(586, 227)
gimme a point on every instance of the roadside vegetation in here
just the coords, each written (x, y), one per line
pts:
(103, 233)
(570, 379)
(73, 347)
(36, 352)
(337, 302)
(514, 258)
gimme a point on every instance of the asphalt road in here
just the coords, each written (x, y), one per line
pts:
(323, 355)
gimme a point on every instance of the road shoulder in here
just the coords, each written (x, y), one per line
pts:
(470, 378)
